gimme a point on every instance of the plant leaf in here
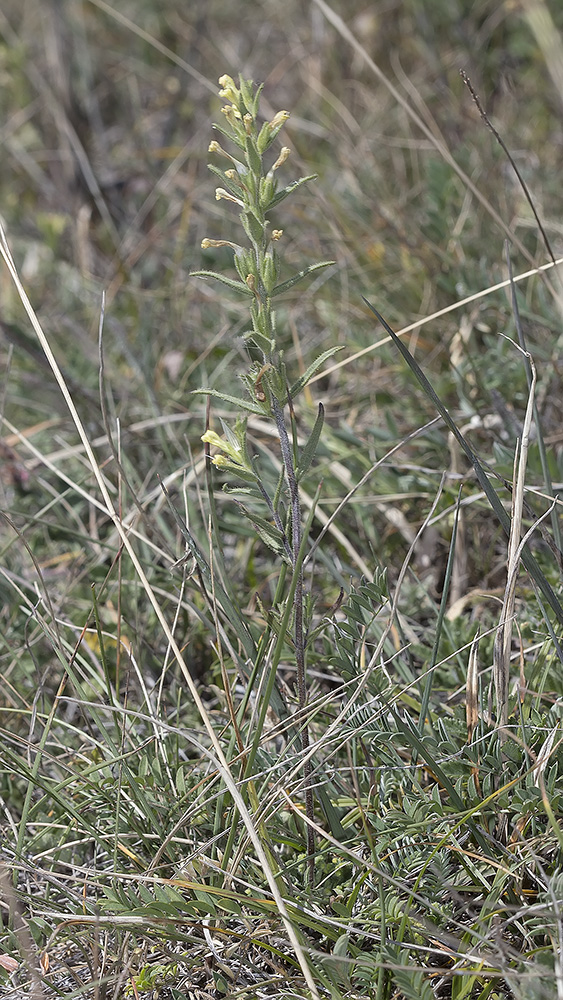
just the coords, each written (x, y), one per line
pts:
(313, 369)
(238, 286)
(285, 285)
(230, 611)
(228, 135)
(226, 181)
(412, 984)
(281, 195)
(235, 400)
(268, 532)
(309, 451)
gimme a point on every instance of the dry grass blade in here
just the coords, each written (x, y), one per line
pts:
(154, 42)
(548, 37)
(501, 659)
(472, 689)
(26, 943)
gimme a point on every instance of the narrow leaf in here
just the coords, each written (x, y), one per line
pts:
(310, 448)
(229, 135)
(238, 286)
(246, 491)
(269, 533)
(232, 613)
(240, 473)
(244, 404)
(285, 285)
(253, 157)
(312, 370)
(231, 185)
(270, 539)
(281, 195)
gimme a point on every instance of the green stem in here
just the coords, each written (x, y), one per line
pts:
(275, 660)
(298, 634)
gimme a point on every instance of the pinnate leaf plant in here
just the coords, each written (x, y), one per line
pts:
(248, 178)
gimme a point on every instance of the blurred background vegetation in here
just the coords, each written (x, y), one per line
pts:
(105, 125)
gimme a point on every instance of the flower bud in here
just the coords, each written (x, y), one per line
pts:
(206, 244)
(230, 452)
(232, 114)
(229, 89)
(211, 437)
(284, 153)
(266, 192)
(243, 262)
(279, 119)
(220, 193)
(269, 131)
(269, 275)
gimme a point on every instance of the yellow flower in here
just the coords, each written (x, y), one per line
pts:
(211, 437)
(230, 453)
(227, 196)
(206, 244)
(232, 114)
(279, 119)
(228, 88)
(284, 153)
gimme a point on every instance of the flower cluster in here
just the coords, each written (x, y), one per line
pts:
(250, 184)
(232, 454)
(249, 180)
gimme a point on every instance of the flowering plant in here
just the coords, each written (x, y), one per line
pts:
(248, 182)
(253, 186)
